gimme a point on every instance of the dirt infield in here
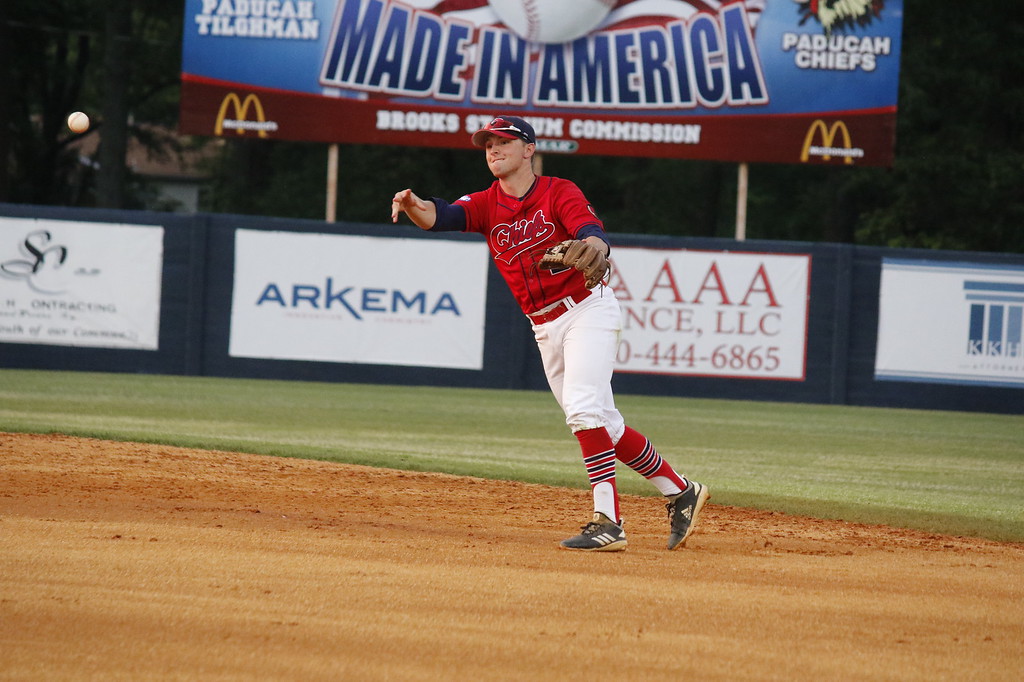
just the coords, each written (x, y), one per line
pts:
(127, 561)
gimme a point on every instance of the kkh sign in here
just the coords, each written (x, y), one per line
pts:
(950, 323)
(742, 80)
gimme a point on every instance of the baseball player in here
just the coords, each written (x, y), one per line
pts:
(576, 328)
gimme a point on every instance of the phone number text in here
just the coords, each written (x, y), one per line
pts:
(724, 357)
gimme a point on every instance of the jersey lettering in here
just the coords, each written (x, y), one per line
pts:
(508, 241)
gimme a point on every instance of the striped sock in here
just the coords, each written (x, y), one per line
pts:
(599, 459)
(638, 454)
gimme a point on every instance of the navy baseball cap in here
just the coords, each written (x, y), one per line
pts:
(511, 127)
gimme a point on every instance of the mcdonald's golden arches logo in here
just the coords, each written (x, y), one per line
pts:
(828, 148)
(240, 123)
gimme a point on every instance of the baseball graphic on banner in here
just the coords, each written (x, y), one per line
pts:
(551, 21)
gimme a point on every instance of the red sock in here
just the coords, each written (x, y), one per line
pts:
(638, 454)
(599, 458)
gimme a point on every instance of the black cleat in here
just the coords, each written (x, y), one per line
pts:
(683, 510)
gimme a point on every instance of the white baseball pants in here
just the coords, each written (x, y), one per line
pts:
(578, 351)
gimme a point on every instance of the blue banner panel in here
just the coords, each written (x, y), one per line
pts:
(806, 81)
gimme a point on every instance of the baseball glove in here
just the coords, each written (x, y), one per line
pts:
(576, 253)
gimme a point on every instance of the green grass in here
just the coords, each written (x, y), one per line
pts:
(949, 472)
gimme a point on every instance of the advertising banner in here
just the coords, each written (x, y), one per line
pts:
(67, 283)
(712, 313)
(789, 81)
(957, 323)
(325, 298)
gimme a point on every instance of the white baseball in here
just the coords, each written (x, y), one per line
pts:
(78, 122)
(551, 21)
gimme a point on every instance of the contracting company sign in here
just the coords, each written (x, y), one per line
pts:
(797, 81)
(320, 297)
(75, 283)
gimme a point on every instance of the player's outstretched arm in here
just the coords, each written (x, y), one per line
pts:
(422, 213)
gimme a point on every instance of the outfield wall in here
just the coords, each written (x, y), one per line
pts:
(239, 296)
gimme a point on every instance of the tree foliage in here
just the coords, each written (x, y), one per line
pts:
(956, 182)
(118, 58)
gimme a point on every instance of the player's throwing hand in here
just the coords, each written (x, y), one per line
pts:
(400, 203)
(422, 213)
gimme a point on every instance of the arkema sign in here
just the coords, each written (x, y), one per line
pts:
(742, 80)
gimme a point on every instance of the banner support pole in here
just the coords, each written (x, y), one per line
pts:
(741, 202)
(332, 182)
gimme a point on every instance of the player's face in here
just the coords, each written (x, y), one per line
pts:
(506, 156)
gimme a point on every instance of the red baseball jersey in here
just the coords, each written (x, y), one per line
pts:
(519, 229)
